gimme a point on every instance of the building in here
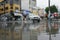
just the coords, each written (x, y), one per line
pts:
(32, 3)
(25, 4)
(34, 10)
(41, 12)
(1, 0)
(8, 6)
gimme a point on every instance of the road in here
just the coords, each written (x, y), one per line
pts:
(31, 31)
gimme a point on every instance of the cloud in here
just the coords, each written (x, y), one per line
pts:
(44, 3)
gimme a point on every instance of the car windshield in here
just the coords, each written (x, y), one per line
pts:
(30, 14)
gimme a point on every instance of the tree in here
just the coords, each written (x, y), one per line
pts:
(53, 9)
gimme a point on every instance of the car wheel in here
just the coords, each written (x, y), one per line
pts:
(38, 20)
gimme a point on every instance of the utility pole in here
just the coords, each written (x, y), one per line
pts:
(20, 6)
(49, 21)
(49, 8)
(4, 22)
(4, 6)
(22, 22)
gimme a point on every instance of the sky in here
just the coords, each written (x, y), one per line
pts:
(44, 3)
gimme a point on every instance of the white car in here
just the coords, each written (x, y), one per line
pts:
(52, 17)
(34, 17)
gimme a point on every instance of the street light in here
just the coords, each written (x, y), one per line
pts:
(49, 21)
(49, 8)
(20, 6)
(22, 22)
(4, 6)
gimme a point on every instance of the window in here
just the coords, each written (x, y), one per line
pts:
(6, 8)
(11, 13)
(11, 7)
(1, 9)
(16, 8)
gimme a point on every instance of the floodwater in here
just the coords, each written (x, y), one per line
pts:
(16, 30)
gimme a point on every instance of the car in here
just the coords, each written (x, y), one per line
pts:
(34, 17)
(52, 17)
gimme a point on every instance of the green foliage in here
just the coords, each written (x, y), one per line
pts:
(52, 9)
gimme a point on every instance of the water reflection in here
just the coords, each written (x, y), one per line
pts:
(29, 31)
(8, 31)
(16, 31)
(53, 29)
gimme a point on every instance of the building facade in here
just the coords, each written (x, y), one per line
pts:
(41, 12)
(32, 3)
(9, 5)
(25, 4)
(32, 7)
(1, 0)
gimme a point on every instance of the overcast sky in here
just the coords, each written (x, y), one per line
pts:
(44, 3)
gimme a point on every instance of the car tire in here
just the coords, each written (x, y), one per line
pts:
(38, 20)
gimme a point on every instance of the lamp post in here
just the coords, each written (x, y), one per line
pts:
(49, 8)
(49, 21)
(20, 6)
(22, 22)
(4, 6)
(4, 22)
(49, 16)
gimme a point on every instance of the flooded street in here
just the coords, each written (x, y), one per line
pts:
(17, 30)
(29, 20)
